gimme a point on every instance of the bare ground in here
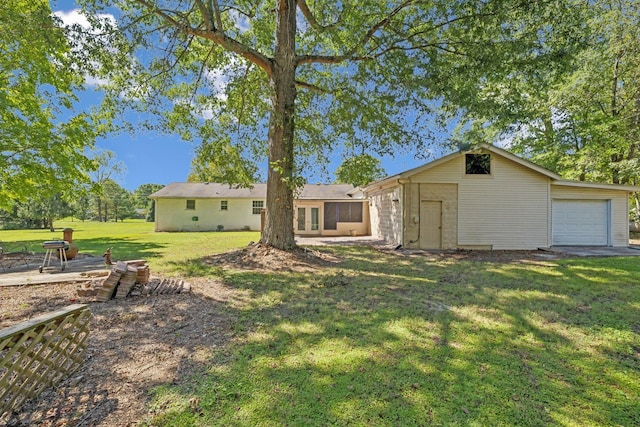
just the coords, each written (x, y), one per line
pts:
(138, 343)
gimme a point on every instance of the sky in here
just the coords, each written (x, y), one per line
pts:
(155, 158)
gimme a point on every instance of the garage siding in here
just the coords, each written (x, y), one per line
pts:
(508, 209)
(619, 207)
(386, 214)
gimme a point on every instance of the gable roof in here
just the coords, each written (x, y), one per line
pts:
(211, 190)
(555, 178)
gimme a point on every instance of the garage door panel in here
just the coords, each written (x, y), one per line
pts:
(580, 222)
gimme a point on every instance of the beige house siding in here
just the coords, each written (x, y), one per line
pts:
(619, 207)
(508, 209)
(172, 215)
(416, 194)
(385, 207)
(343, 228)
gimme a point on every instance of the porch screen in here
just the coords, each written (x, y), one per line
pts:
(335, 212)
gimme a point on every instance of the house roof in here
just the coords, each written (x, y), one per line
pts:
(555, 178)
(211, 190)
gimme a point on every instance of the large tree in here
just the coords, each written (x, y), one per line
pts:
(42, 141)
(294, 79)
(580, 117)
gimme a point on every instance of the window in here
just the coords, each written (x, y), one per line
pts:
(191, 205)
(335, 212)
(478, 164)
(301, 218)
(257, 206)
(224, 205)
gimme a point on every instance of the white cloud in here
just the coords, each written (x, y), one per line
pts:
(75, 16)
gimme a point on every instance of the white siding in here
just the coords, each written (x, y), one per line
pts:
(508, 209)
(386, 214)
(172, 215)
(619, 207)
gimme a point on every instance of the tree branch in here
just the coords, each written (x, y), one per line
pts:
(311, 19)
(350, 55)
(216, 8)
(206, 16)
(305, 85)
(216, 36)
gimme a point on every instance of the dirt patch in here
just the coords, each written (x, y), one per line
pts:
(134, 345)
(137, 343)
(266, 258)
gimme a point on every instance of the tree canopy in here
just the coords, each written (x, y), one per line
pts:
(43, 143)
(359, 170)
(293, 80)
(581, 117)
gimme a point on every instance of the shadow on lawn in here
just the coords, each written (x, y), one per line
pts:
(121, 248)
(404, 340)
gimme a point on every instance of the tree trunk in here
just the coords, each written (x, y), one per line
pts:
(278, 231)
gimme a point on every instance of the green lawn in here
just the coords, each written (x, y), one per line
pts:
(390, 340)
(135, 239)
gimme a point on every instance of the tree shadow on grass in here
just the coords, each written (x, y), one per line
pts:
(121, 249)
(415, 342)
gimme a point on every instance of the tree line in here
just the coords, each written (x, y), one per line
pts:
(106, 202)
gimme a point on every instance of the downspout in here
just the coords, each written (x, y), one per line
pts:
(419, 216)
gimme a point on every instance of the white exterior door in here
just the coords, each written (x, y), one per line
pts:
(581, 222)
(307, 220)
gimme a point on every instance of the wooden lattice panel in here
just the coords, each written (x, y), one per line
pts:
(38, 353)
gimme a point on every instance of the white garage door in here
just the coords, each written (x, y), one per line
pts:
(580, 222)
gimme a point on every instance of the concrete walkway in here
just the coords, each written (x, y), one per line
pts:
(599, 251)
(339, 240)
(76, 270)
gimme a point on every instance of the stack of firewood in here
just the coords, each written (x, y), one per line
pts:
(133, 278)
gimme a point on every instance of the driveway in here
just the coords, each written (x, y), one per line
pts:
(600, 251)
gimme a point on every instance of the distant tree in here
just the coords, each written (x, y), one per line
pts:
(117, 202)
(360, 170)
(222, 162)
(43, 142)
(141, 194)
(108, 169)
(40, 213)
(142, 200)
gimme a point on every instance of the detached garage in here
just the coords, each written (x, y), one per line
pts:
(487, 198)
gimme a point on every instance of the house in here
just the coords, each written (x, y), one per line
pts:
(488, 198)
(319, 209)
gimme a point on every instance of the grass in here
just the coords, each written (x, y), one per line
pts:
(390, 340)
(175, 253)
